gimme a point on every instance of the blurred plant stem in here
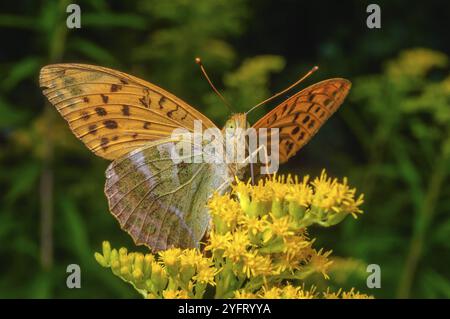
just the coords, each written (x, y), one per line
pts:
(377, 147)
(422, 222)
(56, 46)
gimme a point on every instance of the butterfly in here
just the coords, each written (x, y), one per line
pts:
(129, 121)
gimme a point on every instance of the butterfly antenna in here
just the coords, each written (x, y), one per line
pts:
(314, 69)
(202, 68)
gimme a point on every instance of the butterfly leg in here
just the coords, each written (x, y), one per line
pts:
(266, 155)
(254, 153)
(252, 173)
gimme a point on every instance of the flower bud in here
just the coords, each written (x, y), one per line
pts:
(138, 275)
(123, 251)
(148, 260)
(115, 267)
(100, 259)
(158, 277)
(114, 256)
(244, 201)
(187, 271)
(125, 271)
(334, 219)
(220, 225)
(277, 208)
(139, 262)
(123, 259)
(296, 211)
(275, 245)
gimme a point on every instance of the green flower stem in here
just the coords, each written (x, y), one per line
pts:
(435, 186)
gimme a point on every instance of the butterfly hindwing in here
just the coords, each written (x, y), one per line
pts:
(301, 116)
(158, 202)
(113, 112)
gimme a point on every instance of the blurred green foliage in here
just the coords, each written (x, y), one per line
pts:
(391, 137)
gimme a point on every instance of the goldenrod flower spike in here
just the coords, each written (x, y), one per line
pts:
(258, 245)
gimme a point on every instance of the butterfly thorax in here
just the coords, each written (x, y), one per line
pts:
(235, 133)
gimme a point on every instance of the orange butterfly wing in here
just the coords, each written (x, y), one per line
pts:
(302, 115)
(112, 112)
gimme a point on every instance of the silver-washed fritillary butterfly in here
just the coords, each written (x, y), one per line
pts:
(127, 120)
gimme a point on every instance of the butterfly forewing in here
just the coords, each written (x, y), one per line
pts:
(300, 117)
(113, 112)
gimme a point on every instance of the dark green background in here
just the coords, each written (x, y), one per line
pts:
(391, 137)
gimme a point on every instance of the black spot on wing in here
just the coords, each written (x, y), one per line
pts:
(100, 111)
(105, 98)
(92, 129)
(126, 110)
(85, 116)
(110, 124)
(104, 143)
(115, 87)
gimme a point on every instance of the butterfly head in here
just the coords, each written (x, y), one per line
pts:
(236, 123)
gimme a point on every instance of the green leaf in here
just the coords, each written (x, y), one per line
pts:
(21, 70)
(75, 229)
(24, 181)
(10, 114)
(436, 285)
(17, 21)
(440, 235)
(93, 52)
(110, 20)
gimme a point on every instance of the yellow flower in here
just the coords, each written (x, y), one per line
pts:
(218, 242)
(280, 226)
(175, 294)
(306, 294)
(330, 195)
(291, 292)
(270, 293)
(320, 262)
(332, 295)
(352, 294)
(300, 192)
(237, 246)
(295, 247)
(255, 265)
(254, 225)
(205, 273)
(225, 212)
(170, 258)
(260, 192)
(159, 276)
(242, 294)
(188, 262)
(279, 187)
(254, 199)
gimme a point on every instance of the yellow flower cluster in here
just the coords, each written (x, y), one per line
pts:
(291, 292)
(257, 247)
(170, 274)
(340, 294)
